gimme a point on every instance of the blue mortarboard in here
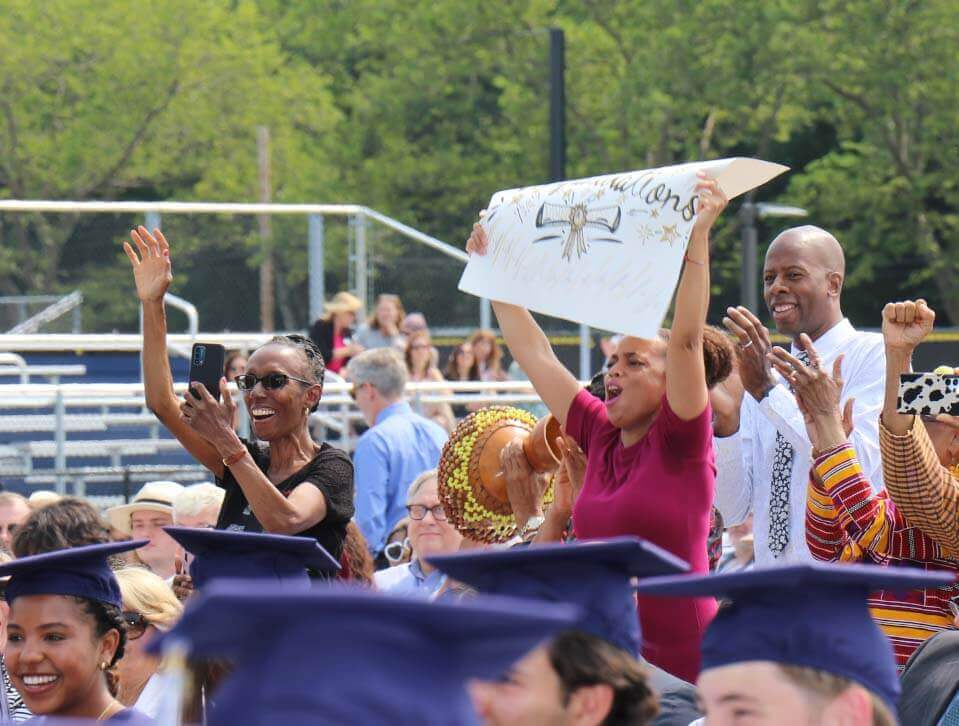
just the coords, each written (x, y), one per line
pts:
(251, 555)
(79, 571)
(345, 655)
(595, 575)
(813, 615)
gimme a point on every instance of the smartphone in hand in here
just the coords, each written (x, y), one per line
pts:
(206, 367)
(928, 394)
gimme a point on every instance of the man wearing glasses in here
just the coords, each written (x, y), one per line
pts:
(429, 534)
(398, 447)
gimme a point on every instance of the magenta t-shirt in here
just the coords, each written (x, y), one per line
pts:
(661, 489)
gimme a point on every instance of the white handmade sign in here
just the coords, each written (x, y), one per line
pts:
(604, 251)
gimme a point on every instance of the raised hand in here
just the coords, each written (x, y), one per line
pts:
(524, 487)
(755, 368)
(712, 201)
(817, 394)
(210, 418)
(152, 269)
(906, 324)
(478, 242)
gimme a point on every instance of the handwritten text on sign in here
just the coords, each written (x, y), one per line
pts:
(604, 251)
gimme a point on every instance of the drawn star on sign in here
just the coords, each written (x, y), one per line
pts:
(669, 234)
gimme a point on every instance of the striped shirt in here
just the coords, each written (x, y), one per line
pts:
(847, 522)
(925, 490)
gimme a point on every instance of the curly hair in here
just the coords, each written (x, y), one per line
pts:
(107, 617)
(357, 563)
(63, 524)
(315, 364)
(718, 353)
(581, 659)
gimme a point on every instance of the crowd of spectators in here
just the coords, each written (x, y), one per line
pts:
(733, 530)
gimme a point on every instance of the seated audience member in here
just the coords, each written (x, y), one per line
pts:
(333, 333)
(198, 505)
(288, 484)
(590, 675)
(764, 457)
(150, 510)
(420, 367)
(797, 644)
(461, 366)
(398, 447)
(650, 470)
(847, 522)
(41, 498)
(234, 365)
(14, 511)
(397, 550)
(149, 606)
(488, 354)
(12, 709)
(916, 476)
(378, 652)
(66, 633)
(429, 534)
(741, 555)
(413, 323)
(66, 523)
(382, 330)
(930, 683)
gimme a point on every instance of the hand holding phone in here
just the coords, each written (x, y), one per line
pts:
(206, 367)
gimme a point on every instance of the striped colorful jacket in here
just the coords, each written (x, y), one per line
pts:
(847, 522)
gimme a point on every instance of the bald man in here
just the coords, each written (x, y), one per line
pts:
(763, 467)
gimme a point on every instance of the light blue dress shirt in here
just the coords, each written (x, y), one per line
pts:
(409, 579)
(399, 447)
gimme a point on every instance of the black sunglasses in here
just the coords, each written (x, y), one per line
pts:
(136, 624)
(271, 381)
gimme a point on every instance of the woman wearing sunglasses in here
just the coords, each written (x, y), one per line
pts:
(149, 605)
(289, 485)
(430, 533)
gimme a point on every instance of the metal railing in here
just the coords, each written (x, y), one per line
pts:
(315, 213)
(337, 412)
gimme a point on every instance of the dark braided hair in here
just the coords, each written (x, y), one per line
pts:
(314, 359)
(107, 617)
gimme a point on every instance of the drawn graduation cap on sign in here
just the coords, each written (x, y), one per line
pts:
(814, 615)
(251, 555)
(596, 576)
(350, 656)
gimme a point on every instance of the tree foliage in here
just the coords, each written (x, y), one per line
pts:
(422, 109)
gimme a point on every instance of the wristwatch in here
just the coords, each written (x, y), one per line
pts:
(532, 525)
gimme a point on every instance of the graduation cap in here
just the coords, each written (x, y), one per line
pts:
(595, 575)
(251, 555)
(813, 615)
(345, 655)
(78, 571)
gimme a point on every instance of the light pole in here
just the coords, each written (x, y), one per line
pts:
(748, 214)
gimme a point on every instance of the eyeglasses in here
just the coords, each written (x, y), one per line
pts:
(136, 624)
(419, 346)
(271, 381)
(395, 551)
(418, 511)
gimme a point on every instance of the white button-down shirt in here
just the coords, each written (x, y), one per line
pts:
(744, 461)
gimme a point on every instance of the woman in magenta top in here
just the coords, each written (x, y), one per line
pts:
(650, 470)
